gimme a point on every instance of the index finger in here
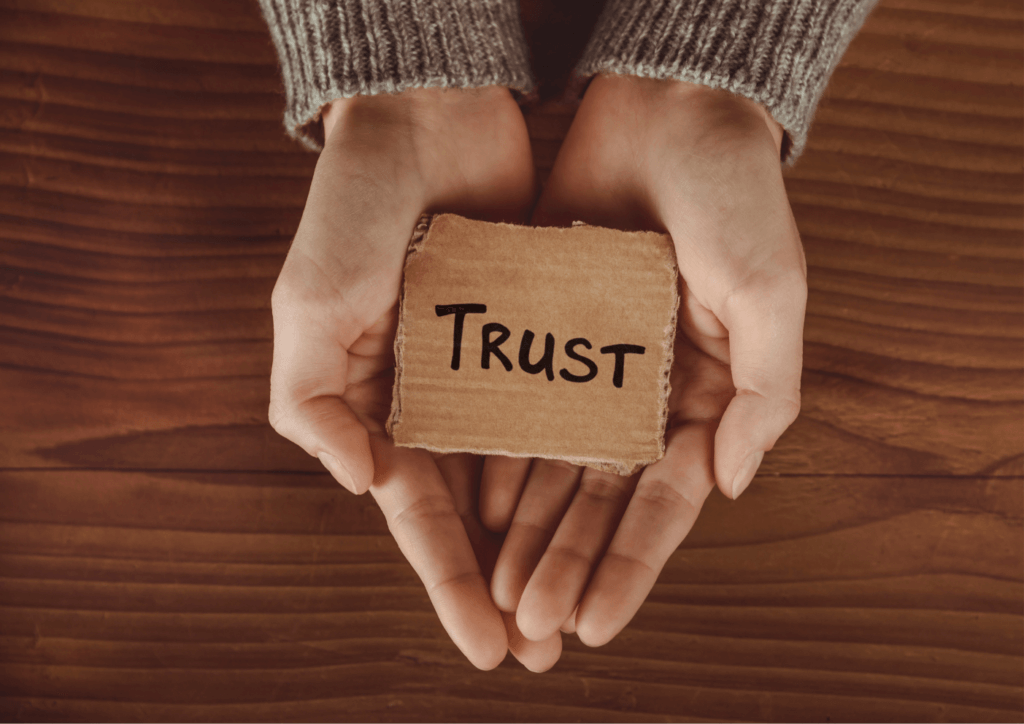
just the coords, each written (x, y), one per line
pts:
(663, 509)
(424, 521)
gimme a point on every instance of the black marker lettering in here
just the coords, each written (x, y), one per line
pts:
(620, 351)
(460, 311)
(570, 348)
(545, 363)
(490, 347)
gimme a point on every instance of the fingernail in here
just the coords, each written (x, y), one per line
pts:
(338, 471)
(746, 473)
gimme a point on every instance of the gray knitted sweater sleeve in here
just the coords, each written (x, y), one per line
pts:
(779, 53)
(331, 49)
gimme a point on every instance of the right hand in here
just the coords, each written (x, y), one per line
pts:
(387, 159)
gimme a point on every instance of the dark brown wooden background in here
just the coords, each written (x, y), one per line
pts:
(165, 555)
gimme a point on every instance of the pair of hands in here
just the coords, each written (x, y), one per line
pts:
(512, 551)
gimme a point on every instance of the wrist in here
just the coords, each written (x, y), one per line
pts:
(444, 146)
(697, 106)
(722, 104)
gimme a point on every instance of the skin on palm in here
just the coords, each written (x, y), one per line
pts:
(388, 159)
(584, 549)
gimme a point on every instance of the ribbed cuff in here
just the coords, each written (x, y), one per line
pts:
(779, 53)
(332, 49)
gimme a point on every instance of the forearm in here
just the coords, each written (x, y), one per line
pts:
(779, 53)
(330, 49)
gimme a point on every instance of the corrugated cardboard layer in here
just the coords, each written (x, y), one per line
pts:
(607, 287)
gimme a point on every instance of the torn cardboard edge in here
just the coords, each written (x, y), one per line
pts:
(415, 243)
(606, 464)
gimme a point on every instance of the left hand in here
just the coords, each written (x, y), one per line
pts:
(584, 548)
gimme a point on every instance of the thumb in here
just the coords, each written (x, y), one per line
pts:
(307, 381)
(765, 320)
(326, 428)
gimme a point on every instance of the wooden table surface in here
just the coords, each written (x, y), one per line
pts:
(165, 555)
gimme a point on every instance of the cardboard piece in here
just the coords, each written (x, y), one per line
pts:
(536, 342)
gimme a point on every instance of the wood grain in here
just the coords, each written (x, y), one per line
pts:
(164, 555)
